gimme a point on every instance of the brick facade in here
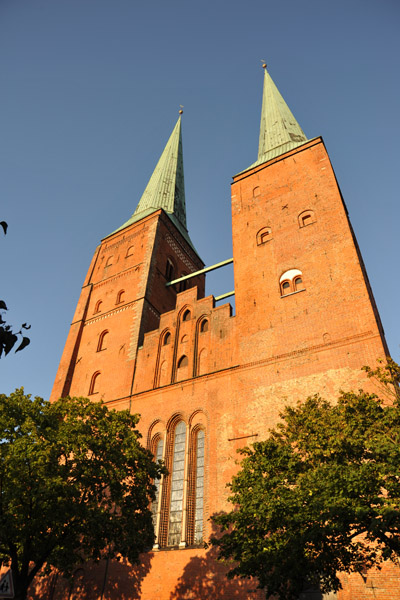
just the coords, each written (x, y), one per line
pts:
(177, 357)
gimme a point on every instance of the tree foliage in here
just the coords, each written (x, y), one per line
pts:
(75, 484)
(321, 495)
(8, 337)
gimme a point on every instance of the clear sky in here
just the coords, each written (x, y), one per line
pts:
(90, 91)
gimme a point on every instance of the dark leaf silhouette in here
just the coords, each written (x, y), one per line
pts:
(8, 338)
(25, 342)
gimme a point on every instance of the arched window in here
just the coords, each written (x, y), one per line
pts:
(158, 454)
(120, 297)
(130, 251)
(264, 235)
(307, 217)
(298, 284)
(109, 261)
(97, 307)
(163, 374)
(183, 284)
(178, 509)
(256, 192)
(204, 326)
(198, 469)
(166, 338)
(94, 383)
(177, 486)
(182, 368)
(186, 315)
(169, 270)
(202, 362)
(101, 344)
(291, 281)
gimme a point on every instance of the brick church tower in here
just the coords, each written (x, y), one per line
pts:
(206, 382)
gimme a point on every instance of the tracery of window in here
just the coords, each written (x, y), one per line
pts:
(199, 488)
(158, 454)
(177, 486)
(178, 509)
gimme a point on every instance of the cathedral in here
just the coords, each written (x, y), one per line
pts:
(205, 381)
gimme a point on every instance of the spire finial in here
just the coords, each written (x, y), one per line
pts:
(264, 63)
(181, 109)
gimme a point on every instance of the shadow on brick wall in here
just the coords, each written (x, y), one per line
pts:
(104, 581)
(204, 578)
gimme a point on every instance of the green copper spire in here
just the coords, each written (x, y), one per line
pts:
(279, 130)
(166, 186)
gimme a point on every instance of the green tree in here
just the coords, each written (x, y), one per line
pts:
(75, 485)
(321, 495)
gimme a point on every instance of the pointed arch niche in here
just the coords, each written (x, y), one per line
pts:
(102, 343)
(94, 383)
(182, 368)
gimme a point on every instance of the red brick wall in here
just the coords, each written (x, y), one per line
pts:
(243, 369)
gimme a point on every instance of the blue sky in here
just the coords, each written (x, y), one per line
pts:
(91, 91)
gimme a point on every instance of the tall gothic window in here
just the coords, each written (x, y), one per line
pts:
(199, 488)
(178, 514)
(177, 484)
(158, 453)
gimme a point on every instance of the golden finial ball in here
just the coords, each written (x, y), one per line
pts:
(181, 112)
(264, 65)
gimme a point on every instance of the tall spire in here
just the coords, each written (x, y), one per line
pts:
(279, 130)
(166, 186)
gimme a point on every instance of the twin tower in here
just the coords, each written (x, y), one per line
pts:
(207, 382)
